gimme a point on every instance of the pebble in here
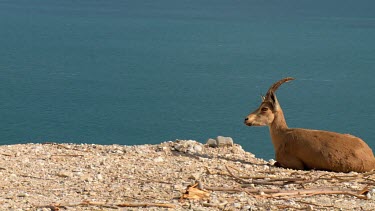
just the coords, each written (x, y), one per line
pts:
(211, 142)
(158, 160)
(99, 177)
(23, 195)
(310, 207)
(237, 205)
(272, 162)
(198, 148)
(86, 177)
(224, 141)
(195, 176)
(220, 141)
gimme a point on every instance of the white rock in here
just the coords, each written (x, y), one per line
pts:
(99, 177)
(224, 141)
(211, 142)
(198, 148)
(86, 177)
(158, 159)
(237, 205)
(195, 176)
(272, 162)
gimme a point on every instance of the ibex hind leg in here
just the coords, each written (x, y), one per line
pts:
(292, 163)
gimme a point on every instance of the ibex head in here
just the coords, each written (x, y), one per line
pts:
(265, 114)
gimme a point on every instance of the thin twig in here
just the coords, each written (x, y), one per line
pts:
(146, 205)
(23, 175)
(8, 155)
(234, 176)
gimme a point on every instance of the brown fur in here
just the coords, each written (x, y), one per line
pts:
(306, 149)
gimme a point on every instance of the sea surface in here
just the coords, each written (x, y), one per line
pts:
(145, 71)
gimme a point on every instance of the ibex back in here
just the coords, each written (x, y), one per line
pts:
(306, 149)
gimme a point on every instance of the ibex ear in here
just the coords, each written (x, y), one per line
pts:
(263, 98)
(272, 97)
(273, 100)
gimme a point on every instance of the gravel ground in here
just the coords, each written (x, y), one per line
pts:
(178, 175)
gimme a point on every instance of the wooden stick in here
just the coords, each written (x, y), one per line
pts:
(234, 176)
(146, 205)
(8, 155)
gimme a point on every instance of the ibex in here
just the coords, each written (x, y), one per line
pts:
(305, 149)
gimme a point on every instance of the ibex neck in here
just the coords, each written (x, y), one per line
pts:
(277, 129)
(279, 122)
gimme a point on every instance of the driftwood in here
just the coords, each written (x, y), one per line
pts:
(146, 205)
(192, 192)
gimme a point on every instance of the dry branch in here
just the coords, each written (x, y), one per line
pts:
(146, 205)
(263, 180)
(8, 155)
(194, 193)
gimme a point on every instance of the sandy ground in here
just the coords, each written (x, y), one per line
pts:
(179, 175)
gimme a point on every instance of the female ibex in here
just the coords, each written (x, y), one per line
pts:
(305, 149)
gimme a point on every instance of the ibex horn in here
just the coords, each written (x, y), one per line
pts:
(276, 85)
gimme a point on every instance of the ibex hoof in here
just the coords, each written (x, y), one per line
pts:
(277, 164)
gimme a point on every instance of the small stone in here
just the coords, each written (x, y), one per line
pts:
(202, 159)
(198, 148)
(247, 207)
(86, 177)
(224, 141)
(158, 159)
(211, 142)
(191, 150)
(13, 176)
(178, 147)
(272, 162)
(99, 177)
(178, 187)
(23, 195)
(195, 176)
(237, 205)
(310, 207)
(64, 174)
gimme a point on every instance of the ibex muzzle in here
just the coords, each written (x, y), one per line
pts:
(306, 149)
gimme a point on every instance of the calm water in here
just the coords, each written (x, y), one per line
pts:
(145, 71)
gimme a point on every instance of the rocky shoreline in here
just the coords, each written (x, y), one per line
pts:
(178, 175)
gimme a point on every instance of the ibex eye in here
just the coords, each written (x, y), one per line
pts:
(265, 109)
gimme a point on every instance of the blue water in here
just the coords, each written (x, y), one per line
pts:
(145, 71)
